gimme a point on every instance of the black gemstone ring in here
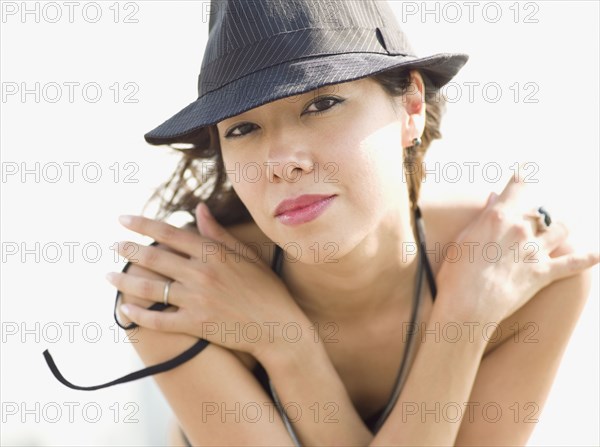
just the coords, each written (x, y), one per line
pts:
(546, 214)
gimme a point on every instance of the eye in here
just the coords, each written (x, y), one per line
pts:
(323, 100)
(320, 100)
(230, 134)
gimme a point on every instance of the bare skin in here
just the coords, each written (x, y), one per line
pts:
(367, 300)
(370, 381)
(555, 310)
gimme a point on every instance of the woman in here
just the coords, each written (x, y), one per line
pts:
(325, 330)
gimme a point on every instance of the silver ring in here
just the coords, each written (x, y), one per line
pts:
(166, 292)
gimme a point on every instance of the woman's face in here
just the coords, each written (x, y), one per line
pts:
(352, 148)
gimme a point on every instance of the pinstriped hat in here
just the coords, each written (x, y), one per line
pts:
(260, 51)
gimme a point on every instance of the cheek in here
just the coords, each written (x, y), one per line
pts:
(240, 174)
(377, 171)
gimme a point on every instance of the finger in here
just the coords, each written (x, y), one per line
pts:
(571, 264)
(553, 236)
(150, 289)
(179, 239)
(492, 198)
(514, 187)
(152, 319)
(160, 261)
(211, 228)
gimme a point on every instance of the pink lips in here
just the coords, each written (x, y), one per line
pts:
(302, 209)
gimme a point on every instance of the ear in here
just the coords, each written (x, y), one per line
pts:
(413, 119)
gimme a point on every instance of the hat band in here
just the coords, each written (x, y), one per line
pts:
(287, 47)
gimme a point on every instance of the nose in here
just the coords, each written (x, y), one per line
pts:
(288, 159)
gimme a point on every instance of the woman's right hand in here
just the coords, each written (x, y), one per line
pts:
(503, 263)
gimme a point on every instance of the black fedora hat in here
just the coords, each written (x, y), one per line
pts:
(260, 51)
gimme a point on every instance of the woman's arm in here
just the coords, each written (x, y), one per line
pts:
(517, 376)
(441, 378)
(315, 398)
(314, 413)
(442, 402)
(443, 372)
(213, 395)
(302, 377)
(446, 375)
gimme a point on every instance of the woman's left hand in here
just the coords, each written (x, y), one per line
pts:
(221, 294)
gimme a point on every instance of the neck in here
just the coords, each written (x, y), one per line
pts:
(378, 274)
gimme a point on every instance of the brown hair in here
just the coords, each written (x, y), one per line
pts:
(200, 174)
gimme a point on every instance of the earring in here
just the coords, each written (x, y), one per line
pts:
(415, 144)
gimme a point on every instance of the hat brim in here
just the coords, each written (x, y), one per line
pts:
(294, 78)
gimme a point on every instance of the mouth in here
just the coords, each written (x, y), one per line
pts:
(300, 202)
(303, 209)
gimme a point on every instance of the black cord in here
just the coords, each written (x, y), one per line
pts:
(416, 311)
(410, 346)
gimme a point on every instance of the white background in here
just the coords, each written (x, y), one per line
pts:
(162, 54)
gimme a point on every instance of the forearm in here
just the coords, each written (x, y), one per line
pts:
(315, 398)
(441, 378)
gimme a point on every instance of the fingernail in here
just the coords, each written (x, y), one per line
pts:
(125, 219)
(110, 276)
(125, 309)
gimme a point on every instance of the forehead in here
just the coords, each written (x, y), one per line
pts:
(291, 101)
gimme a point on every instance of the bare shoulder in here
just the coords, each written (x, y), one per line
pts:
(444, 220)
(450, 217)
